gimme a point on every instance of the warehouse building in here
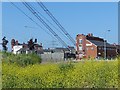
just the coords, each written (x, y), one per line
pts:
(89, 46)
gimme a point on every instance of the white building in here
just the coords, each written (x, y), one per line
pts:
(16, 48)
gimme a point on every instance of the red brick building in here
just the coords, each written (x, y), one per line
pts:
(90, 46)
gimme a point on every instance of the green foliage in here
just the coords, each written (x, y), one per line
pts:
(66, 66)
(84, 74)
(21, 59)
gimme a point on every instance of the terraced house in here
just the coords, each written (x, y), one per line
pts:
(90, 46)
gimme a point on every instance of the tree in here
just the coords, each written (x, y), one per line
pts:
(4, 43)
(31, 44)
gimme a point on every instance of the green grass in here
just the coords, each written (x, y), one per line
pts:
(83, 74)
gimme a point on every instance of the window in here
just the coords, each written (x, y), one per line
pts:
(92, 48)
(99, 48)
(87, 48)
(80, 41)
(102, 48)
(80, 45)
(80, 48)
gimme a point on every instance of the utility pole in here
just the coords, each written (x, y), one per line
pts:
(105, 45)
(105, 49)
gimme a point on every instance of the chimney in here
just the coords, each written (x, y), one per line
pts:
(90, 34)
(24, 46)
(35, 41)
(12, 42)
(16, 43)
(40, 44)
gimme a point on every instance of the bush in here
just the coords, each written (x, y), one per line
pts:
(21, 59)
(66, 66)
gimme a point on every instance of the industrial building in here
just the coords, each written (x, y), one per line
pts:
(89, 46)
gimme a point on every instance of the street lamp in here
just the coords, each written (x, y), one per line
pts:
(105, 49)
(105, 46)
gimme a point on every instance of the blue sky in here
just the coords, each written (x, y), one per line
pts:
(76, 18)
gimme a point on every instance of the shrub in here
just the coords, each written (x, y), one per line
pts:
(21, 59)
(66, 66)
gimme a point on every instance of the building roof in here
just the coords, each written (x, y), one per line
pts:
(37, 45)
(27, 49)
(101, 43)
(58, 49)
(94, 38)
(118, 46)
(23, 49)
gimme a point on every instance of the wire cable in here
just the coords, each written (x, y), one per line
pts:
(48, 21)
(30, 18)
(56, 21)
(44, 23)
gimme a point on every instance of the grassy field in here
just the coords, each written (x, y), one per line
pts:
(83, 74)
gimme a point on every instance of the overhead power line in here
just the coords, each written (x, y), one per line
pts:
(44, 23)
(48, 21)
(30, 18)
(56, 21)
